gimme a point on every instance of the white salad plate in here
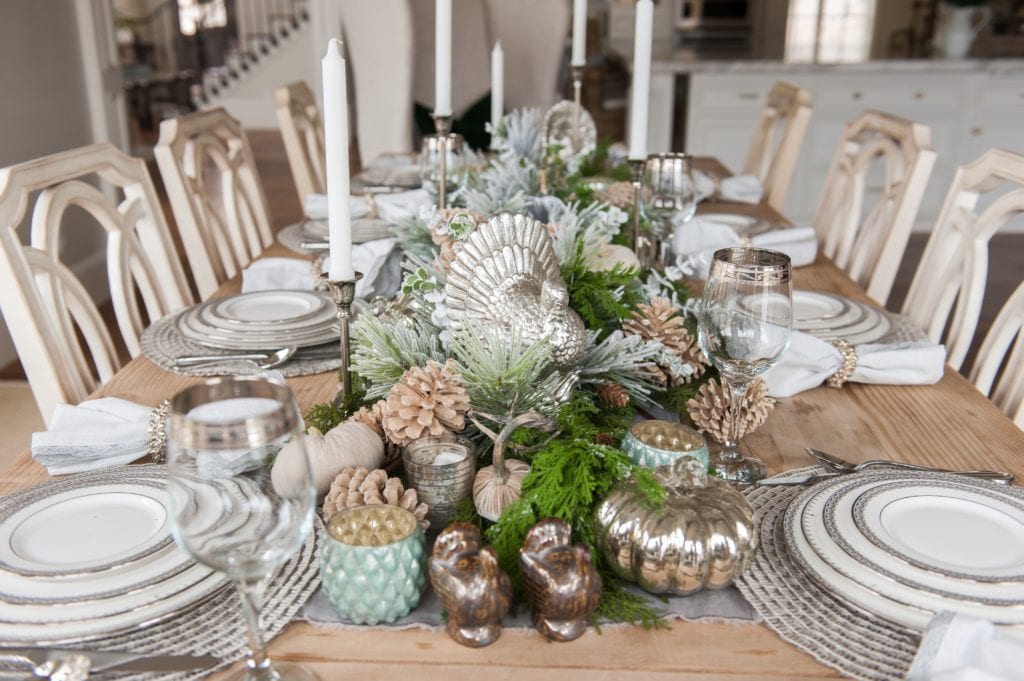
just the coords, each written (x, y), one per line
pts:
(826, 562)
(203, 317)
(262, 307)
(837, 511)
(832, 317)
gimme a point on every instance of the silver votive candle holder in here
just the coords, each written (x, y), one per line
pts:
(441, 470)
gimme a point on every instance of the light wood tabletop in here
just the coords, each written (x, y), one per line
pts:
(949, 424)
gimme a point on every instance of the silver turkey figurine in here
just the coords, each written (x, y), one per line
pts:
(470, 585)
(560, 579)
(506, 277)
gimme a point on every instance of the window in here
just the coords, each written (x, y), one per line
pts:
(197, 14)
(829, 31)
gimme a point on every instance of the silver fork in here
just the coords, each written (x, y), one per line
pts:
(836, 465)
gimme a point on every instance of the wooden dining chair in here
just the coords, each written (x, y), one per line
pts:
(868, 241)
(215, 194)
(777, 140)
(64, 345)
(948, 288)
(303, 133)
(998, 370)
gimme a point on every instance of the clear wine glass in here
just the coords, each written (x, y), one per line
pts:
(226, 511)
(670, 193)
(455, 167)
(744, 323)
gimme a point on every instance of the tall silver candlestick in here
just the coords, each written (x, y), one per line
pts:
(577, 100)
(443, 125)
(343, 293)
(643, 246)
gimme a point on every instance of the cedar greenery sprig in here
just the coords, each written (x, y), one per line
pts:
(602, 298)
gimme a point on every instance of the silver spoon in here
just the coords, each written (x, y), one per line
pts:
(837, 465)
(266, 360)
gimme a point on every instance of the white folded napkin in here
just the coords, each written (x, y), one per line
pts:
(704, 185)
(379, 261)
(741, 188)
(694, 243)
(390, 207)
(810, 361)
(93, 434)
(962, 648)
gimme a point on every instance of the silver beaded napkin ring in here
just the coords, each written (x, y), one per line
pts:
(157, 432)
(848, 366)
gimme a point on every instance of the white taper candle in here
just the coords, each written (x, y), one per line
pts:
(579, 32)
(443, 58)
(339, 222)
(641, 79)
(497, 86)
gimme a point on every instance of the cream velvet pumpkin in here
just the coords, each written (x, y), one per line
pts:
(349, 444)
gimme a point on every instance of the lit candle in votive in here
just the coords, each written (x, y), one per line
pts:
(497, 86)
(449, 457)
(641, 79)
(339, 222)
(443, 58)
(579, 32)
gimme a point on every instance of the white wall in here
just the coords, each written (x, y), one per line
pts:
(45, 108)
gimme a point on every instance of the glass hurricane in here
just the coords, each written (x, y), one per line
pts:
(744, 323)
(226, 511)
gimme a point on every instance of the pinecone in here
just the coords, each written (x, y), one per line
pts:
(612, 395)
(360, 487)
(713, 410)
(371, 417)
(426, 401)
(660, 321)
(618, 194)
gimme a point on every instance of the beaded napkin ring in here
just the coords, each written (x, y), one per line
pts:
(848, 366)
(157, 432)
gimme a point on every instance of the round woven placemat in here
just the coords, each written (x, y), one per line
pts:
(834, 632)
(162, 342)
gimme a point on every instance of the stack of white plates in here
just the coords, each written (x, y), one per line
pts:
(261, 320)
(906, 545)
(832, 317)
(92, 554)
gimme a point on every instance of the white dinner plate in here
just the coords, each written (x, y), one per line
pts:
(812, 548)
(192, 328)
(831, 317)
(262, 307)
(206, 315)
(838, 516)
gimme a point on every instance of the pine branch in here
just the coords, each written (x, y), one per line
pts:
(384, 350)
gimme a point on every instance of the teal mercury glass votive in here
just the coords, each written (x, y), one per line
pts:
(657, 443)
(373, 563)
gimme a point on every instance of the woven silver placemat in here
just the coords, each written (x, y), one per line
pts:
(162, 342)
(363, 229)
(216, 625)
(812, 618)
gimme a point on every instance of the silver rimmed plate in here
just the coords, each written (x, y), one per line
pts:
(828, 564)
(831, 317)
(269, 307)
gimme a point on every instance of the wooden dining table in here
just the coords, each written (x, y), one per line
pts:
(949, 424)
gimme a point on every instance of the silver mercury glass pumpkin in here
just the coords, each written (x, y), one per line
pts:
(703, 536)
(506, 277)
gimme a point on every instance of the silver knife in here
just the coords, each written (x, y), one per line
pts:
(106, 661)
(793, 481)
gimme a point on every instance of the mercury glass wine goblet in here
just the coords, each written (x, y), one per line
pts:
(670, 194)
(455, 167)
(222, 437)
(744, 323)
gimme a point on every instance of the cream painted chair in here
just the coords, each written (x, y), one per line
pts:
(215, 193)
(532, 35)
(379, 44)
(45, 304)
(303, 133)
(777, 140)
(868, 242)
(947, 291)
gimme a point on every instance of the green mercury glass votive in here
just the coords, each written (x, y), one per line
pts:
(373, 563)
(658, 443)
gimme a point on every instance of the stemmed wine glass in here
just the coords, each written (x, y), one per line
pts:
(744, 323)
(222, 437)
(670, 194)
(455, 167)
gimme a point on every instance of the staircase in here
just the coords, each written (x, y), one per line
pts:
(197, 54)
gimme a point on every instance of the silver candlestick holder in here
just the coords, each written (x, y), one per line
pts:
(577, 107)
(443, 125)
(643, 245)
(343, 293)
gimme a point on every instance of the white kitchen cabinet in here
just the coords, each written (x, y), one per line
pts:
(969, 110)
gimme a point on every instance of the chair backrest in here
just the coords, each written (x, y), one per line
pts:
(45, 304)
(215, 193)
(777, 140)
(303, 135)
(532, 35)
(379, 45)
(868, 243)
(999, 367)
(949, 285)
